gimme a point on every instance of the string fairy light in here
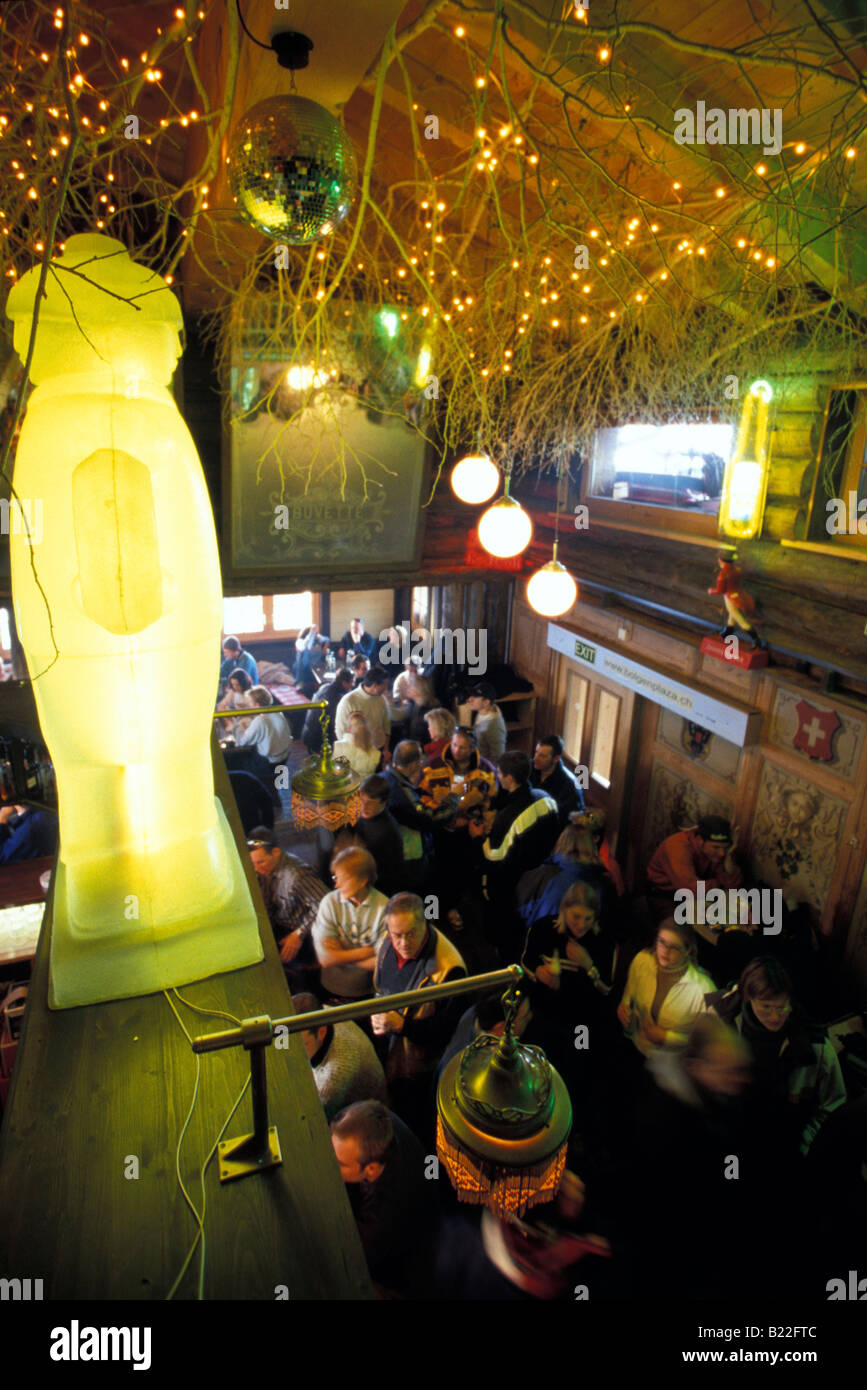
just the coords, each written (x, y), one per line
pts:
(510, 143)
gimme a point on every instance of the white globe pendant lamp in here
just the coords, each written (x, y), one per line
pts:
(505, 528)
(552, 591)
(475, 478)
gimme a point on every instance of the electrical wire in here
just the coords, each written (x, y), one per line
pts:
(247, 31)
(217, 1013)
(199, 1217)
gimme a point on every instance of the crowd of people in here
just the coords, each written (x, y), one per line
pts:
(708, 1105)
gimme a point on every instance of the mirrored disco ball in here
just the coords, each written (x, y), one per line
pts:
(292, 169)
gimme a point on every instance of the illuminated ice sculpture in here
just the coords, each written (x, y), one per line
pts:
(119, 612)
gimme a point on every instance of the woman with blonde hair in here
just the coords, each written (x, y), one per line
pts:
(575, 859)
(440, 724)
(422, 700)
(665, 990)
(571, 943)
(269, 737)
(569, 960)
(358, 748)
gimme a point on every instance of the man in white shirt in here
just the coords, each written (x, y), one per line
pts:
(269, 734)
(370, 701)
(349, 926)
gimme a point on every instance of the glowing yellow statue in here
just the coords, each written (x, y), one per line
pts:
(121, 625)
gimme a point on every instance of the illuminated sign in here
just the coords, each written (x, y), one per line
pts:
(732, 722)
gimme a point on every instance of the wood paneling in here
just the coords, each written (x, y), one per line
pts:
(93, 1086)
(841, 783)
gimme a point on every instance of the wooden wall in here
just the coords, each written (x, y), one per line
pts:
(374, 606)
(802, 819)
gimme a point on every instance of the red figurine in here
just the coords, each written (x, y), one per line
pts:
(739, 608)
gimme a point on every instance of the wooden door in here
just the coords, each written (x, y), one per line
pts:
(598, 733)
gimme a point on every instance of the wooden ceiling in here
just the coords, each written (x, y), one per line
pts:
(595, 104)
(604, 137)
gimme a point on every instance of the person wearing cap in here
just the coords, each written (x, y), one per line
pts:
(701, 853)
(739, 605)
(490, 726)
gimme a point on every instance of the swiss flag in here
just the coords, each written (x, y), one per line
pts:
(816, 729)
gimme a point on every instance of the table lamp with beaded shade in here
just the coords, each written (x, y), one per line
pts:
(150, 891)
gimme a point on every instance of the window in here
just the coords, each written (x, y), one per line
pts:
(291, 612)
(576, 705)
(269, 615)
(838, 513)
(662, 465)
(421, 607)
(659, 477)
(5, 634)
(604, 737)
(243, 615)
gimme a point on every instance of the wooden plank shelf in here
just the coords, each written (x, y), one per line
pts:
(95, 1087)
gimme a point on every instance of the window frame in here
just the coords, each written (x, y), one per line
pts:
(644, 516)
(269, 633)
(817, 531)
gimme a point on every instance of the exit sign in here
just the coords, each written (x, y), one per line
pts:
(584, 652)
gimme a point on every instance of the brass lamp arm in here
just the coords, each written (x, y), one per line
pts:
(269, 709)
(258, 1031)
(256, 1152)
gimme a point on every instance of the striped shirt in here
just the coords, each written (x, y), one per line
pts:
(292, 894)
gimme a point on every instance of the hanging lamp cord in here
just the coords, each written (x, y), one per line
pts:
(557, 510)
(247, 31)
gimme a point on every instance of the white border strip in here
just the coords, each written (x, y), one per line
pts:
(728, 721)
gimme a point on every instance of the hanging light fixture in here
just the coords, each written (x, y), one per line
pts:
(326, 790)
(505, 528)
(503, 1121)
(475, 478)
(552, 591)
(504, 1113)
